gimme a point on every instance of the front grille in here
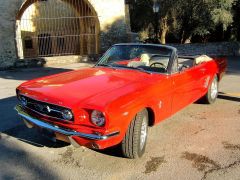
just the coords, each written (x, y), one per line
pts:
(45, 108)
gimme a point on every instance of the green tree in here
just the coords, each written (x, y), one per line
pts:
(236, 19)
(184, 18)
(203, 16)
(167, 18)
(141, 14)
(195, 19)
(222, 14)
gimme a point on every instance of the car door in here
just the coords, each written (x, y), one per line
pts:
(162, 97)
(202, 79)
(184, 89)
(187, 84)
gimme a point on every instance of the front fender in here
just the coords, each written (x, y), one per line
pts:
(122, 111)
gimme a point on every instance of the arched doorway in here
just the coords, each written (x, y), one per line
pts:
(56, 28)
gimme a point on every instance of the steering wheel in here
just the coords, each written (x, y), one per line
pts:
(158, 63)
(182, 67)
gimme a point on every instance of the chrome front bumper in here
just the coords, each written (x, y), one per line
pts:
(60, 130)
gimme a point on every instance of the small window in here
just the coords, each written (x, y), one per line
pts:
(28, 43)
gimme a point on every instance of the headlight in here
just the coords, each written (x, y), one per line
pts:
(98, 118)
(66, 114)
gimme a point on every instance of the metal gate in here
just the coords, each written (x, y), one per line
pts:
(57, 28)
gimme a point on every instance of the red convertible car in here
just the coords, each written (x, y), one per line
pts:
(132, 87)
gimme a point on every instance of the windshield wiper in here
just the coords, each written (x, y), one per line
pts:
(105, 65)
(142, 70)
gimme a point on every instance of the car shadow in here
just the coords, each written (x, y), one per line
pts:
(220, 96)
(12, 125)
(32, 137)
(114, 151)
(227, 97)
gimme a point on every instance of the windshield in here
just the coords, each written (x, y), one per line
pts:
(148, 58)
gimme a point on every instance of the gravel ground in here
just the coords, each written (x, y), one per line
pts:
(200, 142)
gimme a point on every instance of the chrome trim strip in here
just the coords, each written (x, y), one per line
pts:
(49, 108)
(63, 131)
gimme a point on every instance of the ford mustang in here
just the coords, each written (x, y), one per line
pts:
(131, 88)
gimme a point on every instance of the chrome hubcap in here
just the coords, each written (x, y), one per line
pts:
(143, 136)
(214, 89)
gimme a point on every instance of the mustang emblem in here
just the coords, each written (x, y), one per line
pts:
(43, 108)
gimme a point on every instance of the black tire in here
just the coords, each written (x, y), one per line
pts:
(131, 145)
(209, 98)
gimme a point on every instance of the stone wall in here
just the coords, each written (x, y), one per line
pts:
(211, 49)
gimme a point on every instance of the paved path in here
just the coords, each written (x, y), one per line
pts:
(200, 142)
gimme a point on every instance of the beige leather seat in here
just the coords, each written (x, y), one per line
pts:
(202, 58)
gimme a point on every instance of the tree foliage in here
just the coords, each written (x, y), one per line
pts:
(236, 20)
(184, 19)
(221, 12)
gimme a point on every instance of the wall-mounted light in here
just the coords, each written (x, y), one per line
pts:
(156, 6)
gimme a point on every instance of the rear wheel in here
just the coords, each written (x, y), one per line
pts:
(212, 93)
(134, 143)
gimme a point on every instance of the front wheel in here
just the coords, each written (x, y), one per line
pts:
(212, 93)
(134, 143)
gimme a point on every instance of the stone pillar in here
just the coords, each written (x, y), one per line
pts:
(8, 10)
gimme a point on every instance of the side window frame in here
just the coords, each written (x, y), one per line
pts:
(173, 63)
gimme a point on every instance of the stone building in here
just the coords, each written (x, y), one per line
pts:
(31, 29)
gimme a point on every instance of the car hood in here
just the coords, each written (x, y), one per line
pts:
(78, 87)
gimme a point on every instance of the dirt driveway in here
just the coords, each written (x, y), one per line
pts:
(200, 142)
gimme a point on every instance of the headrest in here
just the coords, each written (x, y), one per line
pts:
(145, 58)
(202, 58)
